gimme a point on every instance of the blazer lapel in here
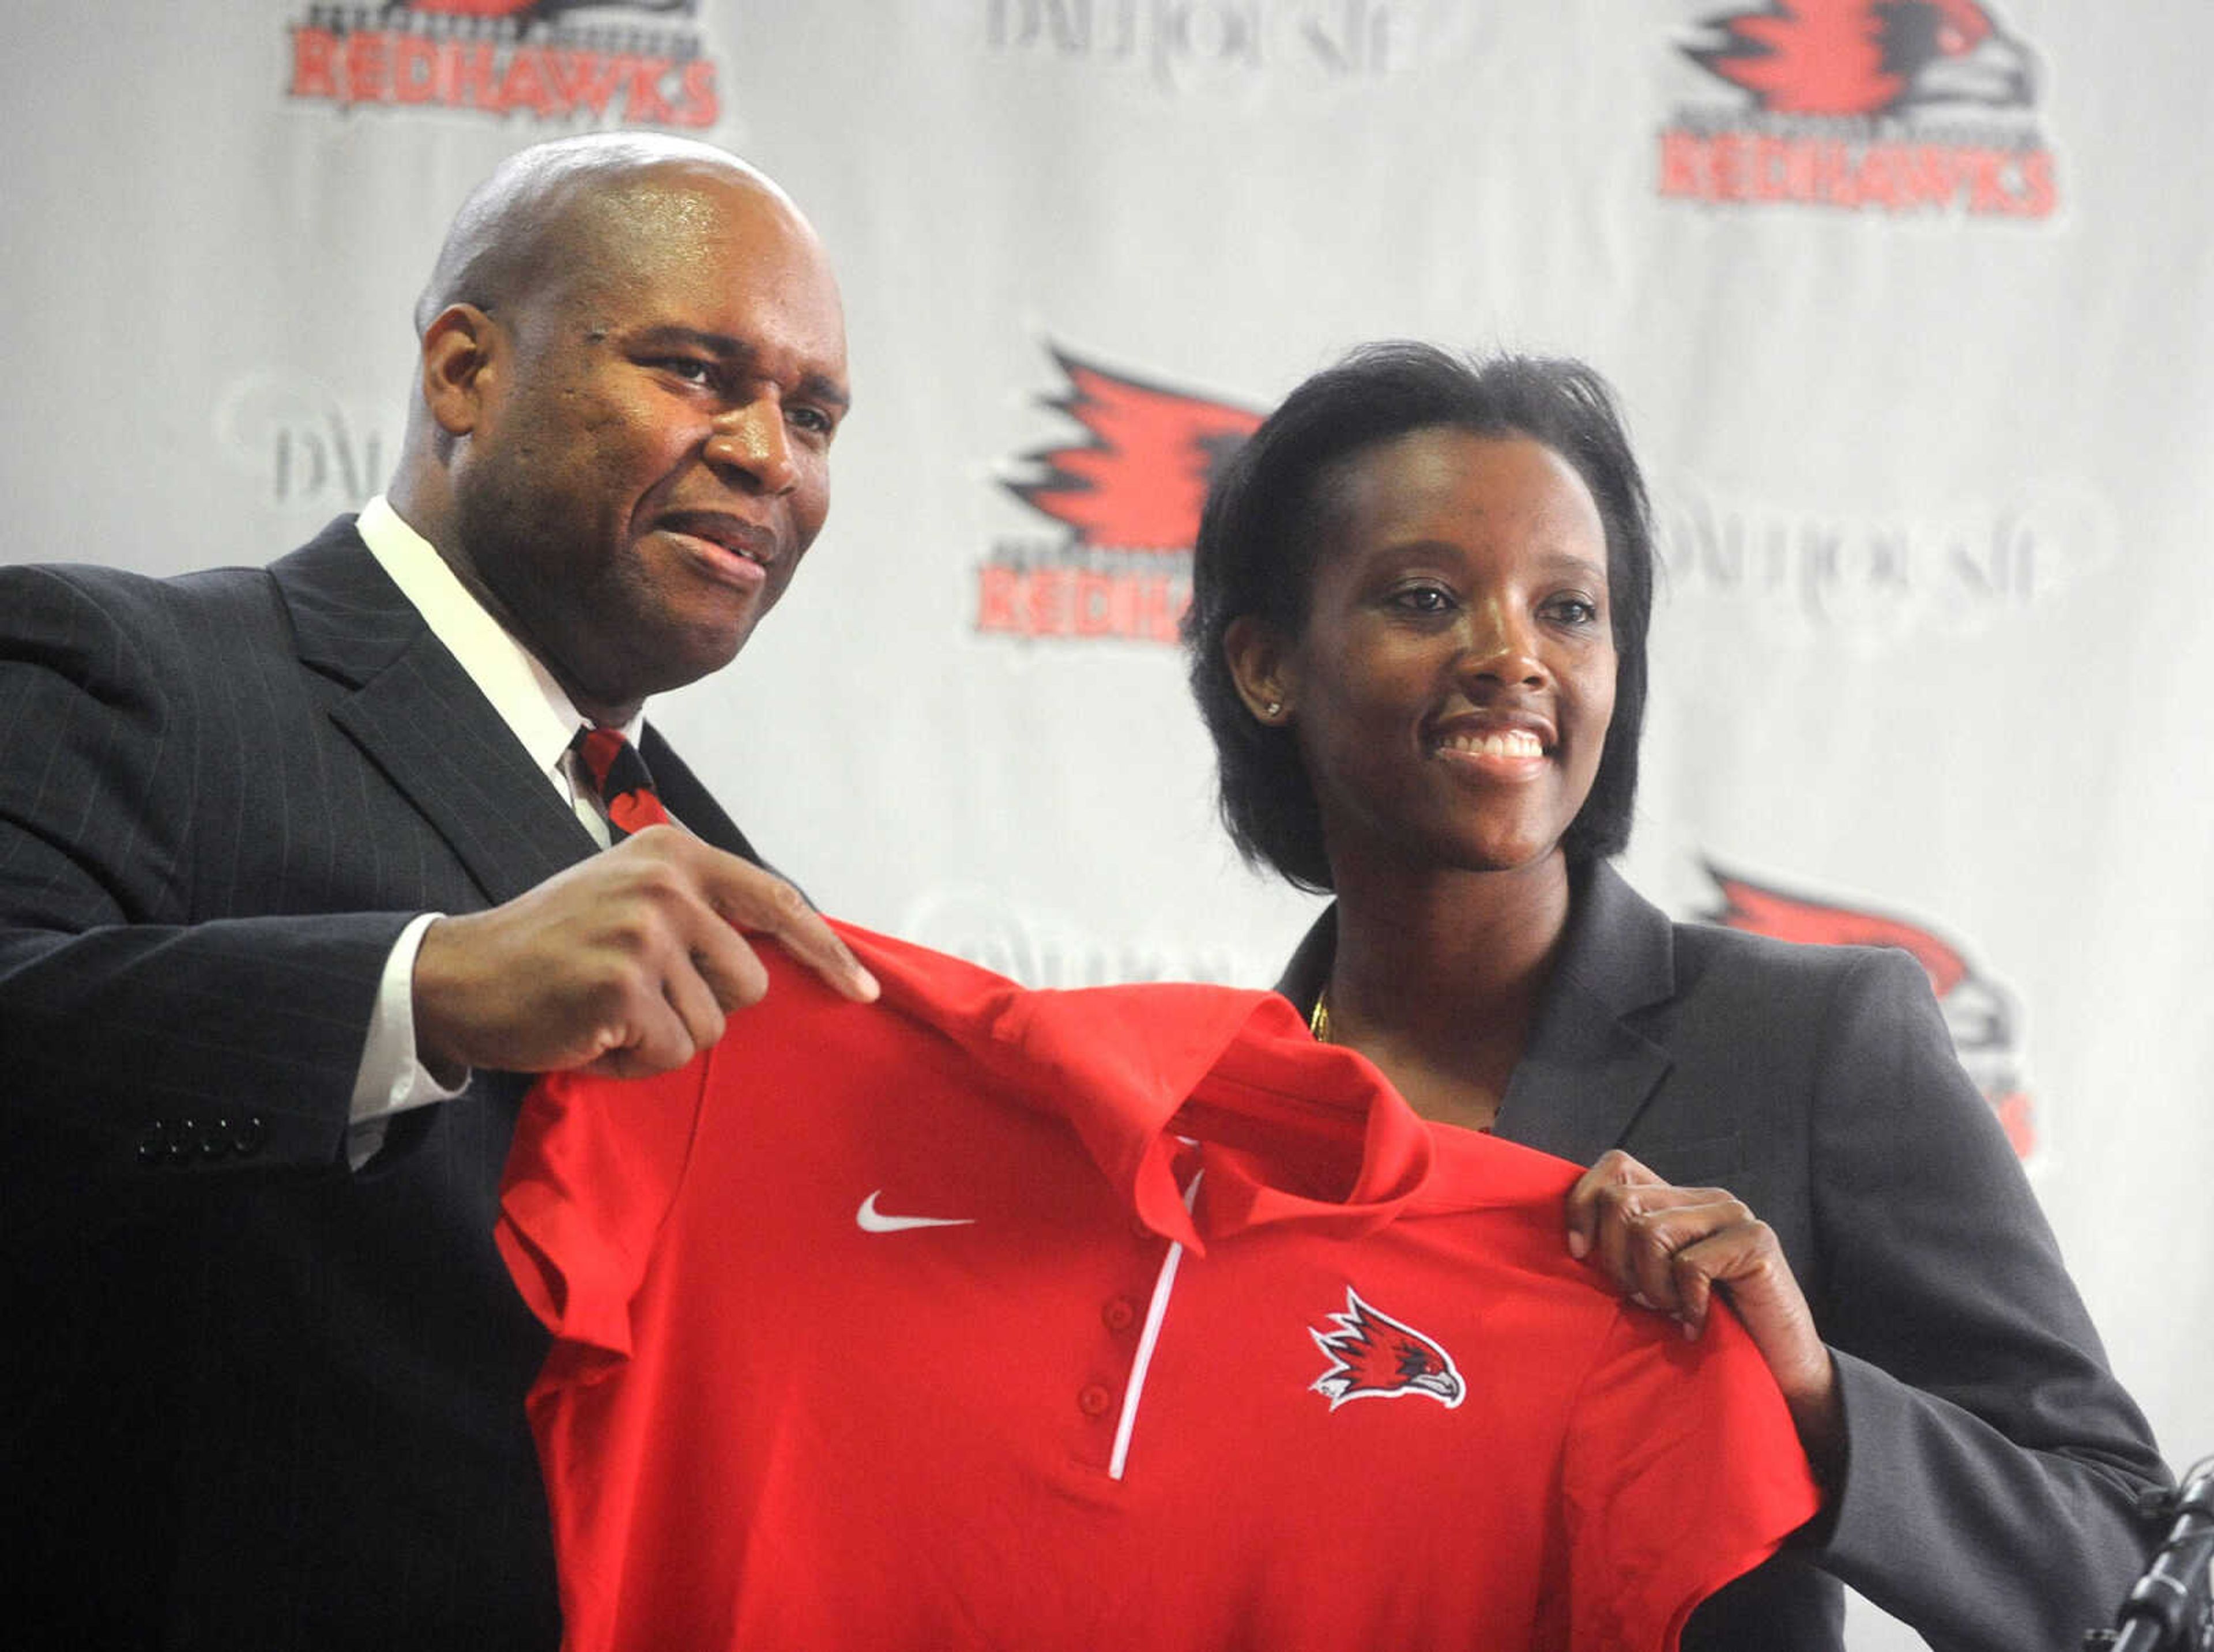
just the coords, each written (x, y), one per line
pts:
(687, 799)
(420, 718)
(1587, 1071)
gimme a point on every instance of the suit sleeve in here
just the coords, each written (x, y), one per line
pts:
(1993, 1460)
(146, 1031)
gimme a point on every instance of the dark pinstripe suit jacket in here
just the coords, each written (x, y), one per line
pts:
(255, 1401)
(1994, 1461)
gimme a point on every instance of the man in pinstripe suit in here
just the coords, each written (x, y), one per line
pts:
(299, 879)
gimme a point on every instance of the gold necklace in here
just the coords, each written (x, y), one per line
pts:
(1319, 1017)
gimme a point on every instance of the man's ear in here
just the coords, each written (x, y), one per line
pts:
(1263, 666)
(460, 349)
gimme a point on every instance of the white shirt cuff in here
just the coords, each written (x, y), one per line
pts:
(390, 1080)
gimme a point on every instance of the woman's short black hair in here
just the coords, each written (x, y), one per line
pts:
(1256, 552)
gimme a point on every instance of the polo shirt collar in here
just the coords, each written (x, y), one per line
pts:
(1159, 1079)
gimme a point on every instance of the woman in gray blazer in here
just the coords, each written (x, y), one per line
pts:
(1417, 633)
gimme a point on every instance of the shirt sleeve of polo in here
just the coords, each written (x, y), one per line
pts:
(594, 1168)
(1682, 1472)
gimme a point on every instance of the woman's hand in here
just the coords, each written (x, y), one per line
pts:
(1671, 1248)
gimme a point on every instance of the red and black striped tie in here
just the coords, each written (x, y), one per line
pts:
(617, 772)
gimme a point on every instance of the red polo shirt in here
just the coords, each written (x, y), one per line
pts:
(1124, 1318)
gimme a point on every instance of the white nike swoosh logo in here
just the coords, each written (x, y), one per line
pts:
(871, 1220)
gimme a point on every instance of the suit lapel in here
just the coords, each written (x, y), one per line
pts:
(419, 716)
(687, 799)
(1587, 1071)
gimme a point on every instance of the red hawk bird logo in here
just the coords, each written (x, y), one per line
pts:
(1138, 481)
(539, 10)
(1979, 1012)
(1373, 1356)
(1867, 57)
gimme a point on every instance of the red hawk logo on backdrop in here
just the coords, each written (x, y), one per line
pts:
(1374, 1357)
(542, 8)
(1125, 494)
(1137, 482)
(1867, 56)
(1979, 1012)
(1901, 106)
(551, 60)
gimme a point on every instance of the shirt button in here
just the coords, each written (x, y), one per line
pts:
(1120, 1314)
(1093, 1400)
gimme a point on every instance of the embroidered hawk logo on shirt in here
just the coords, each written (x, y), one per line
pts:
(1373, 1355)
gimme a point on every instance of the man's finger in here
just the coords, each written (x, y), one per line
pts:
(760, 903)
(653, 1039)
(728, 964)
(693, 1002)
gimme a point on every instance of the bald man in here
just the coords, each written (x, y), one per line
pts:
(301, 876)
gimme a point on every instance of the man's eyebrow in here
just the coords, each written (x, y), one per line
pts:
(817, 387)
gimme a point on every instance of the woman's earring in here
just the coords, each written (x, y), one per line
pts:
(1275, 708)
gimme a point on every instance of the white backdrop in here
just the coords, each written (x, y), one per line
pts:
(1921, 382)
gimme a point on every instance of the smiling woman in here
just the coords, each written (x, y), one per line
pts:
(1454, 679)
(1421, 593)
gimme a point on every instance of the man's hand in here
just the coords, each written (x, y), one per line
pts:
(626, 964)
(1671, 1248)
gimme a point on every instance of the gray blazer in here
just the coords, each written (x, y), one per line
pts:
(255, 1400)
(1990, 1497)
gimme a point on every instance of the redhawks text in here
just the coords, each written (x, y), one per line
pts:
(550, 82)
(1897, 177)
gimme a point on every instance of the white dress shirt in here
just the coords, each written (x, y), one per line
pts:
(390, 1079)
